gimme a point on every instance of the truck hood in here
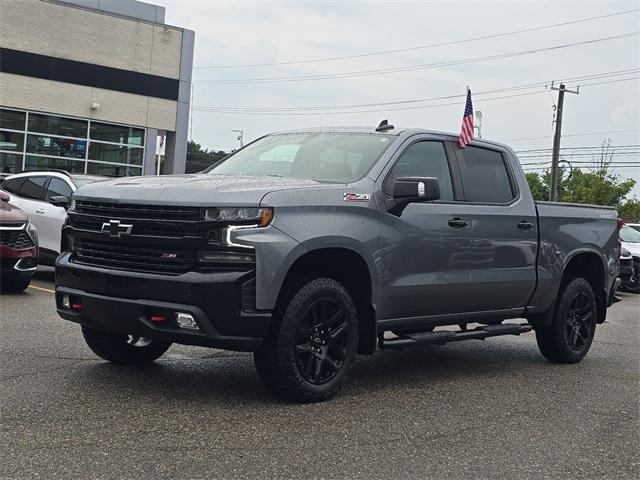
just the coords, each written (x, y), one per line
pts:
(191, 190)
(634, 248)
(10, 213)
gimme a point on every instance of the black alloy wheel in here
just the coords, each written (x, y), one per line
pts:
(312, 342)
(321, 341)
(569, 336)
(580, 321)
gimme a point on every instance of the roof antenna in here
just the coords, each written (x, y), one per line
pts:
(384, 126)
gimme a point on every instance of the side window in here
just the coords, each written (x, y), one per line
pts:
(424, 159)
(58, 187)
(485, 176)
(13, 185)
(34, 188)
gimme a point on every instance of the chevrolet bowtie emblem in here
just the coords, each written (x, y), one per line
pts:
(116, 229)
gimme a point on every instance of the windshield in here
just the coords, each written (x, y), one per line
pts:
(628, 234)
(323, 157)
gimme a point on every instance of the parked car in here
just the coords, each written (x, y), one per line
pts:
(306, 247)
(630, 263)
(43, 196)
(18, 247)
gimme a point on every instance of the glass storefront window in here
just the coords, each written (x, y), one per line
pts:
(30, 140)
(43, 163)
(12, 119)
(59, 147)
(68, 127)
(12, 141)
(106, 152)
(116, 133)
(10, 162)
(112, 170)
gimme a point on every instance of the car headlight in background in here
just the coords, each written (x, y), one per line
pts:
(260, 217)
(625, 253)
(32, 232)
(72, 205)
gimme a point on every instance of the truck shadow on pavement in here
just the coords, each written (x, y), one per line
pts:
(230, 378)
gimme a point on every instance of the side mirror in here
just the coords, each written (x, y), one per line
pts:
(408, 190)
(416, 189)
(59, 201)
(4, 197)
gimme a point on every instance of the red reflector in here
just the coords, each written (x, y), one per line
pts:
(76, 306)
(158, 318)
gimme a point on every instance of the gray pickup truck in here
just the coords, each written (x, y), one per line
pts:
(309, 247)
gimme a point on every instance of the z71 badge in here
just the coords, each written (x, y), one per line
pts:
(357, 197)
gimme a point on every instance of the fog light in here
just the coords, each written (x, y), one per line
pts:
(66, 301)
(186, 320)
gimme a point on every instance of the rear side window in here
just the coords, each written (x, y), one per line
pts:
(423, 159)
(13, 185)
(485, 176)
(34, 188)
(58, 187)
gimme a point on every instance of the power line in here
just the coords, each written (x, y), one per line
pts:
(582, 134)
(420, 100)
(411, 68)
(343, 112)
(421, 47)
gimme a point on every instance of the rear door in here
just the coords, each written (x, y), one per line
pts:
(504, 230)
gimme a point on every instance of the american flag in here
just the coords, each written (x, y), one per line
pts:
(466, 131)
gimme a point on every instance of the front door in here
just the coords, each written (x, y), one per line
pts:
(426, 248)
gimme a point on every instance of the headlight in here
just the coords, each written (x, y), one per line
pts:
(240, 215)
(32, 232)
(72, 205)
(625, 253)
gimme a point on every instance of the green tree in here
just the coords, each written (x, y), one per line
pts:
(630, 211)
(536, 184)
(600, 187)
(199, 158)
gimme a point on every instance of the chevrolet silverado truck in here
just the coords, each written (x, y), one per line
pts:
(310, 247)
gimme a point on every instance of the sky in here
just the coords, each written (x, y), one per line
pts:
(232, 33)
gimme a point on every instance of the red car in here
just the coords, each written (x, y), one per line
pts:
(18, 247)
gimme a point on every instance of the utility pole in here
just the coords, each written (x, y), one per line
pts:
(553, 188)
(240, 137)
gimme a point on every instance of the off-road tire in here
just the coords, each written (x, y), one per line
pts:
(554, 341)
(278, 361)
(117, 348)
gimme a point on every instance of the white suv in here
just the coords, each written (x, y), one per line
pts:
(34, 193)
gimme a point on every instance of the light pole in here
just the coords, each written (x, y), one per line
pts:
(240, 137)
(479, 125)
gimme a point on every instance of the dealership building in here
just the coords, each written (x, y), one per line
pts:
(88, 86)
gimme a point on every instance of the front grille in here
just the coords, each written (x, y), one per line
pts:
(167, 260)
(140, 227)
(18, 239)
(147, 220)
(150, 212)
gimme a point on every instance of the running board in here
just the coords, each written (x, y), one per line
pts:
(442, 337)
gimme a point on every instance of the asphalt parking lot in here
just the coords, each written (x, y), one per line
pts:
(478, 409)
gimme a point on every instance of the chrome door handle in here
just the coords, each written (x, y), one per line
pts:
(524, 225)
(458, 223)
(39, 211)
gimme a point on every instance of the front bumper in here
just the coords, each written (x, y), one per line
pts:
(123, 302)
